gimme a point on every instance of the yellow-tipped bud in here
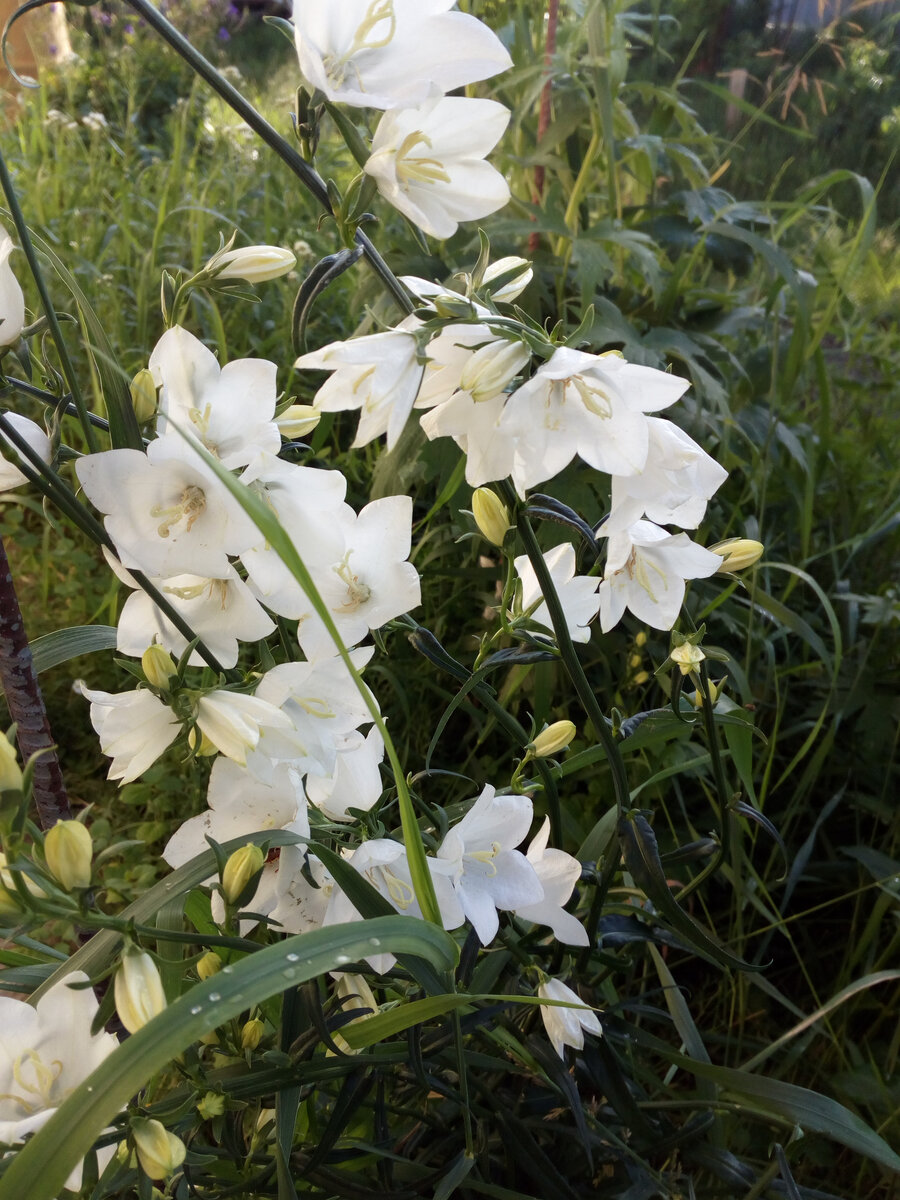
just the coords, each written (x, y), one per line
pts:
(210, 964)
(138, 990)
(298, 420)
(239, 872)
(640, 639)
(687, 657)
(158, 665)
(9, 897)
(143, 396)
(159, 1152)
(490, 515)
(68, 849)
(201, 745)
(641, 677)
(251, 1033)
(634, 660)
(552, 739)
(10, 771)
(715, 691)
(738, 554)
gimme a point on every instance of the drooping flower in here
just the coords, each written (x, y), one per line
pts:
(10, 475)
(355, 781)
(646, 569)
(566, 1026)
(558, 873)
(429, 162)
(12, 300)
(385, 53)
(577, 593)
(134, 729)
(46, 1051)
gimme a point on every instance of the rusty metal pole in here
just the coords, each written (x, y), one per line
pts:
(26, 704)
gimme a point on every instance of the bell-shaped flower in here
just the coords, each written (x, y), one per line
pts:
(10, 475)
(585, 404)
(230, 410)
(646, 569)
(167, 512)
(429, 162)
(369, 581)
(12, 300)
(301, 902)
(566, 1026)
(385, 53)
(486, 871)
(355, 781)
(134, 729)
(673, 488)
(577, 593)
(379, 374)
(446, 357)
(478, 431)
(47, 1050)
(233, 722)
(558, 873)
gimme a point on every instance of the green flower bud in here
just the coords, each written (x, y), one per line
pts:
(210, 964)
(68, 849)
(490, 515)
(738, 554)
(552, 739)
(159, 1152)
(10, 771)
(298, 420)
(158, 665)
(240, 871)
(251, 1034)
(138, 990)
(143, 396)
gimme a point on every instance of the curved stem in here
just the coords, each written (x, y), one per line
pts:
(51, 401)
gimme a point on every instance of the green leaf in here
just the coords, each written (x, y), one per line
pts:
(40, 1169)
(53, 649)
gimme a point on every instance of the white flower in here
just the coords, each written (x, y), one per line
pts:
(255, 264)
(12, 300)
(566, 1026)
(95, 121)
(230, 409)
(138, 989)
(486, 872)
(384, 53)
(428, 162)
(368, 582)
(585, 404)
(558, 873)
(10, 475)
(168, 514)
(379, 374)
(355, 781)
(645, 571)
(447, 355)
(134, 729)
(577, 593)
(673, 488)
(46, 1051)
(477, 430)
(300, 905)
(515, 286)
(233, 722)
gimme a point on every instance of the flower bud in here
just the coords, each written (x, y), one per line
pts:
(12, 300)
(687, 657)
(738, 554)
(159, 1152)
(143, 396)
(158, 665)
(254, 264)
(251, 1033)
(552, 739)
(298, 420)
(201, 745)
(210, 964)
(10, 905)
(68, 849)
(490, 368)
(714, 690)
(490, 515)
(514, 286)
(451, 306)
(138, 991)
(10, 771)
(240, 871)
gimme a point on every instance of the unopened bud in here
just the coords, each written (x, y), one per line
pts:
(738, 553)
(490, 515)
(687, 657)
(138, 991)
(158, 665)
(210, 964)
(240, 873)
(143, 396)
(201, 745)
(714, 691)
(298, 420)
(453, 306)
(251, 1033)
(490, 368)
(10, 905)
(10, 771)
(552, 739)
(159, 1152)
(255, 264)
(68, 849)
(515, 285)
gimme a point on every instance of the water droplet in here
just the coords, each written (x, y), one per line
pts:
(89, 1088)
(198, 1008)
(289, 972)
(227, 970)
(214, 996)
(375, 941)
(342, 958)
(292, 957)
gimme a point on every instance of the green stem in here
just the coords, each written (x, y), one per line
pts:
(310, 178)
(51, 401)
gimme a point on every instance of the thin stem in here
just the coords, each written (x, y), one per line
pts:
(49, 311)
(309, 177)
(51, 401)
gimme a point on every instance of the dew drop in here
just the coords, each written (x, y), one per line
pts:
(227, 970)
(198, 1008)
(375, 941)
(214, 996)
(289, 972)
(292, 957)
(342, 958)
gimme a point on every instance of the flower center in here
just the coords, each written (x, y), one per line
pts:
(637, 568)
(37, 1080)
(398, 889)
(413, 167)
(366, 37)
(190, 506)
(193, 590)
(592, 396)
(485, 857)
(357, 591)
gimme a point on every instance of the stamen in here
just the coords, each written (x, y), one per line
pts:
(398, 889)
(377, 13)
(190, 508)
(425, 170)
(357, 591)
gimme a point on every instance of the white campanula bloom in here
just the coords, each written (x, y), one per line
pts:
(588, 405)
(10, 475)
(478, 431)
(566, 1026)
(167, 512)
(300, 905)
(230, 410)
(379, 374)
(577, 593)
(385, 53)
(234, 722)
(46, 1051)
(368, 580)
(134, 728)
(558, 873)
(469, 359)
(673, 488)
(486, 871)
(646, 569)
(429, 162)
(355, 781)
(12, 299)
